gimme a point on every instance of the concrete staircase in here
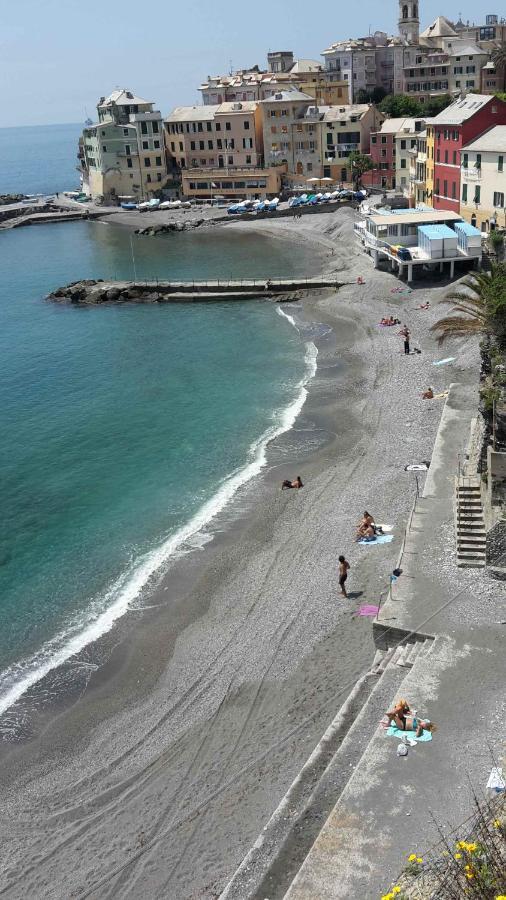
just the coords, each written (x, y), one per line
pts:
(470, 524)
(273, 862)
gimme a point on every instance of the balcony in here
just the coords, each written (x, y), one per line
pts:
(472, 174)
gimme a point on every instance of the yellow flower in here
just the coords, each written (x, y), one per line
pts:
(412, 857)
(497, 824)
(388, 897)
(470, 876)
(396, 889)
(461, 845)
(471, 848)
(501, 897)
(419, 860)
(458, 856)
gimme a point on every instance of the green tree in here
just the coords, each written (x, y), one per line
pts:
(363, 96)
(359, 164)
(378, 94)
(435, 105)
(479, 306)
(398, 105)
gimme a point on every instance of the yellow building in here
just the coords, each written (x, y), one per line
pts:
(429, 162)
(235, 183)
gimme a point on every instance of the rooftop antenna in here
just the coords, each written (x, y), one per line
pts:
(231, 68)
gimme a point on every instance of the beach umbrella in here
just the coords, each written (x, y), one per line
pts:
(313, 180)
(327, 180)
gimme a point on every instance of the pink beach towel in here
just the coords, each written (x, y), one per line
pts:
(368, 610)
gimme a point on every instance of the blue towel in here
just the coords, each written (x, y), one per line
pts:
(379, 539)
(393, 731)
(443, 362)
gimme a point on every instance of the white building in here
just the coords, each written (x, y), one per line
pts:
(483, 187)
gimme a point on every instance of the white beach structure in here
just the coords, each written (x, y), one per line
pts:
(408, 238)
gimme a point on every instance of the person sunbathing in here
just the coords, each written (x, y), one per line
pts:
(365, 526)
(403, 718)
(369, 534)
(428, 394)
(296, 484)
(424, 305)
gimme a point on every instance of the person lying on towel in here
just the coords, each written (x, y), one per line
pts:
(403, 717)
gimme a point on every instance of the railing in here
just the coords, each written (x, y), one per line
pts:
(472, 173)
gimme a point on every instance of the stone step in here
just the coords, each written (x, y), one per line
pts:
(397, 655)
(333, 847)
(411, 654)
(277, 855)
(472, 528)
(466, 544)
(470, 564)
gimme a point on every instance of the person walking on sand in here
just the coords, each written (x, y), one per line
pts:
(344, 567)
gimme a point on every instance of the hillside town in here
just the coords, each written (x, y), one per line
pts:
(420, 113)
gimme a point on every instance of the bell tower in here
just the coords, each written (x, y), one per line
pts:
(409, 21)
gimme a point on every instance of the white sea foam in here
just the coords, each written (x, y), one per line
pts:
(104, 612)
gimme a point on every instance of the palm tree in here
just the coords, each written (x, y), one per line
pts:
(499, 57)
(479, 304)
(499, 60)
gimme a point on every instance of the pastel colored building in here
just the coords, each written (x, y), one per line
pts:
(218, 151)
(225, 136)
(232, 184)
(390, 153)
(457, 125)
(284, 73)
(483, 188)
(123, 154)
(418, 171)
(315, 142)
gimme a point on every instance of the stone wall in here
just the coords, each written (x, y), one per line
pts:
(496, 545)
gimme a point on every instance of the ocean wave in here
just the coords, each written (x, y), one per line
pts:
(102, 614)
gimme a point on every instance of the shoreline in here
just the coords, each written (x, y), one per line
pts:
(147, 569)
(263, 585)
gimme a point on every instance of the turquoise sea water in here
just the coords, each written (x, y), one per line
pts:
(123, 429)
(39, 159)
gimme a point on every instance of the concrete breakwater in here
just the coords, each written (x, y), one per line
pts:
(93, 292)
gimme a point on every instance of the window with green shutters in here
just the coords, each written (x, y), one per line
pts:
(500, 164)
(464, 193)
(477, 194)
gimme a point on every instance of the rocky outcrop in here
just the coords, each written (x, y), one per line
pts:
(7, 199)
(169, 227)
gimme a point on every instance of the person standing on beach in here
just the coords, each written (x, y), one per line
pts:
(344, 567)
(405, 333)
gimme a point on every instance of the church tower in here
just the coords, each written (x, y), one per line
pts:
(409, 21)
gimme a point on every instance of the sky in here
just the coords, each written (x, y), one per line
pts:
(57, 57)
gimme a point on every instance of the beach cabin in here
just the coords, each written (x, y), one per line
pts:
(469, 239)
(436, 242)
(421, 237)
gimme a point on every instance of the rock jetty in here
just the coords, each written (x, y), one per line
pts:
(96, 292)
(166, 228)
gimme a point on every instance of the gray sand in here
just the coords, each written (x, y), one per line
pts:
(156, 782)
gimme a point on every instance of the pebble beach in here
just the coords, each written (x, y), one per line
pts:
(160, 776)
